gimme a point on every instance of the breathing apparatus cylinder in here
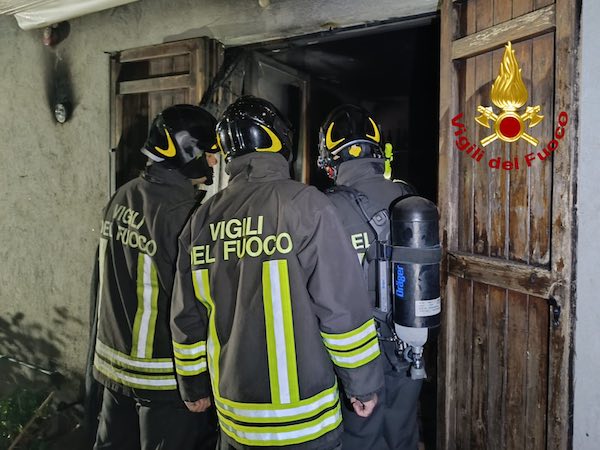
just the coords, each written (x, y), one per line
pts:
(415, 274)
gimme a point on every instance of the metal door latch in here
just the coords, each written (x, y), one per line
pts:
(555, 310)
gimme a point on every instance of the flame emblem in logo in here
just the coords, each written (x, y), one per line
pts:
(509, 94)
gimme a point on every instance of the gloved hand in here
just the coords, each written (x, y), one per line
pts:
(364, 408)
(199, 405)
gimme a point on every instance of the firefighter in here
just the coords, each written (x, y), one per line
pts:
(350, 151)
(133, 359)
(266, 302)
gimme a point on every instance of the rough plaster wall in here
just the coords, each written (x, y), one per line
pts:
(587, 353)
(53, 180)
(55, 176)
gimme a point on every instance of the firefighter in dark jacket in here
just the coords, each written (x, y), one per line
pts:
(351, 154)
(141, 406)
(266, 300)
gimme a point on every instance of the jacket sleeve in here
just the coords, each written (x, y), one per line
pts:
(178, 217)
(341, 301)
(189, 326)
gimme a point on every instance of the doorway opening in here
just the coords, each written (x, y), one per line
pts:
(393, 71)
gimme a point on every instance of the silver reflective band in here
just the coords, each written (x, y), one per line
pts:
(140, 381)
(128, 361)
(328, 399)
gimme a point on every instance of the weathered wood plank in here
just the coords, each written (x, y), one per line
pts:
(498, 185)
(542, 93)
(517, 334)
(157, 101)
(524, 27)
(480, 363)
(157, 51)
(521, 7)
(568, 15)
(497, 367)
(515, 276)
(537, 374)
(542, 3)
(464, 339)
(447, 197)
(466, 80)
(154, 84)
(518, 207)
(116, 119)
(485, 14)
(502, 11)
(481, 173)
(465, 164)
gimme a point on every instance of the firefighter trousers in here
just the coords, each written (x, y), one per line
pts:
(127, 423)
(393, 424)
(224, 445)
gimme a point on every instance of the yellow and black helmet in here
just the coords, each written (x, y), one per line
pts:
(252, 124)
(178, 138)
(349, 132)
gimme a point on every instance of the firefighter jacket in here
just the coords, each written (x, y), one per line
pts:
(265, 299)
(365, 177)
(138, 248)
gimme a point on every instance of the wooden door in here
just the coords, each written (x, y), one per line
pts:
(505, 352)
(146, 80)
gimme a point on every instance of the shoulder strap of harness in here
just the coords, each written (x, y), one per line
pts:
(378, 220)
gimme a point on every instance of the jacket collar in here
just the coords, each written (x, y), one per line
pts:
(258, 167)
(157, 173)
(355, 170)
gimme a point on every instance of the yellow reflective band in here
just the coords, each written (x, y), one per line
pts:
(275, 142)
(279, 327)
(351, 339)
(189, 368)
(329, 143)
(145, 318)
(270, 413)
(356, 358)
(170, 151)
(389, 157)
(200, 279)
(154, 383)
(118, 359)
(282, 435)
(189, 351)
(376, 137)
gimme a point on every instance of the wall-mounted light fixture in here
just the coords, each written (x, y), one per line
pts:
(62, 112)
(55, 34)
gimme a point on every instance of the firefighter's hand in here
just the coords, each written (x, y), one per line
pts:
(364, 409)
(199, 405)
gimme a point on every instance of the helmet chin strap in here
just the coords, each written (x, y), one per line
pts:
(198, 168)
(210, 177)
